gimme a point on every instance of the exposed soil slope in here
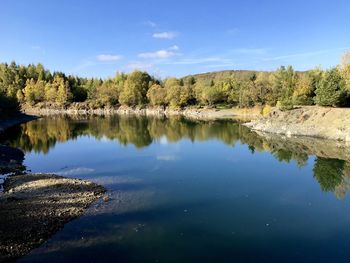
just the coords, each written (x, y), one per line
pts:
(313, 121)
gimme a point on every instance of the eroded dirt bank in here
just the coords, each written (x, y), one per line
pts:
(35, 206)
(311, 121)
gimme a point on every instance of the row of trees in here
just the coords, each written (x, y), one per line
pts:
(284, 87)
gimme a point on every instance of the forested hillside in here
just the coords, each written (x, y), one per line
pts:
(33, 84)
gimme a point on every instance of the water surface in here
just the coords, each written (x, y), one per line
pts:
(192, 191)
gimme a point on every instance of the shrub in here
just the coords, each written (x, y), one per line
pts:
(266, 110)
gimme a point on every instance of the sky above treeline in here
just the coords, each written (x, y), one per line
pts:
(173, 38)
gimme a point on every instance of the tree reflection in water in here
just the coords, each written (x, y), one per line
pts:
(331, 167)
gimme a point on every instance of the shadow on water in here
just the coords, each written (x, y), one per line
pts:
(331, 167)
(179, 238)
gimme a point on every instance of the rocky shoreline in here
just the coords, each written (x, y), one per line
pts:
(193, 113)
(311, 121)
(35, 206)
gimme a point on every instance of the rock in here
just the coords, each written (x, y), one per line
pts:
(106, 198)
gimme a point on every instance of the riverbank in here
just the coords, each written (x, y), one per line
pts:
(10, 121)
(193, 113)
(311, 121)
(35, 206)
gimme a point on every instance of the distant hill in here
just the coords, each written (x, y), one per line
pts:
(227, 74)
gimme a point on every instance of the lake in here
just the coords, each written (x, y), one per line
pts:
(192, 191)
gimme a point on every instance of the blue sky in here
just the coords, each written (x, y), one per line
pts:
(173, 38)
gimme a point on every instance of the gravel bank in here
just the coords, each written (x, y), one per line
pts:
(35, 206)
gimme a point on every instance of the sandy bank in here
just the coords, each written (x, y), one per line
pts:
(311, 121)
(35, 206)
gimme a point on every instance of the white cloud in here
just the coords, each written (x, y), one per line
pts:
(174, 47)
(150, 23)
(160, 54)
(108, 57)
(165, 35)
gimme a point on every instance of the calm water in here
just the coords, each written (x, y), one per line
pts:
(184, 191)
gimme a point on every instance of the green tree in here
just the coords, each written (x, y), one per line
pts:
(216, 93)
(107, 94)
(64, 94)
(177, 94)
(303, 93)
(286, 82)
(331, 90)
(50, 93)
(157, 95)
(344, 68)
(20, 96)
(135, 89)
(29, 92)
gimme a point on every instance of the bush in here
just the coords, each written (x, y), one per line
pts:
(286, 104)
(266, 110)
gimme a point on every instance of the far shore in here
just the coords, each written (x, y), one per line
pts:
(193, 113)
(310, 121)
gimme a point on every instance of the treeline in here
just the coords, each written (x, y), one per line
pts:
(33, 84)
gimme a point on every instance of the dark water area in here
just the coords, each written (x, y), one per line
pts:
(192, 191)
